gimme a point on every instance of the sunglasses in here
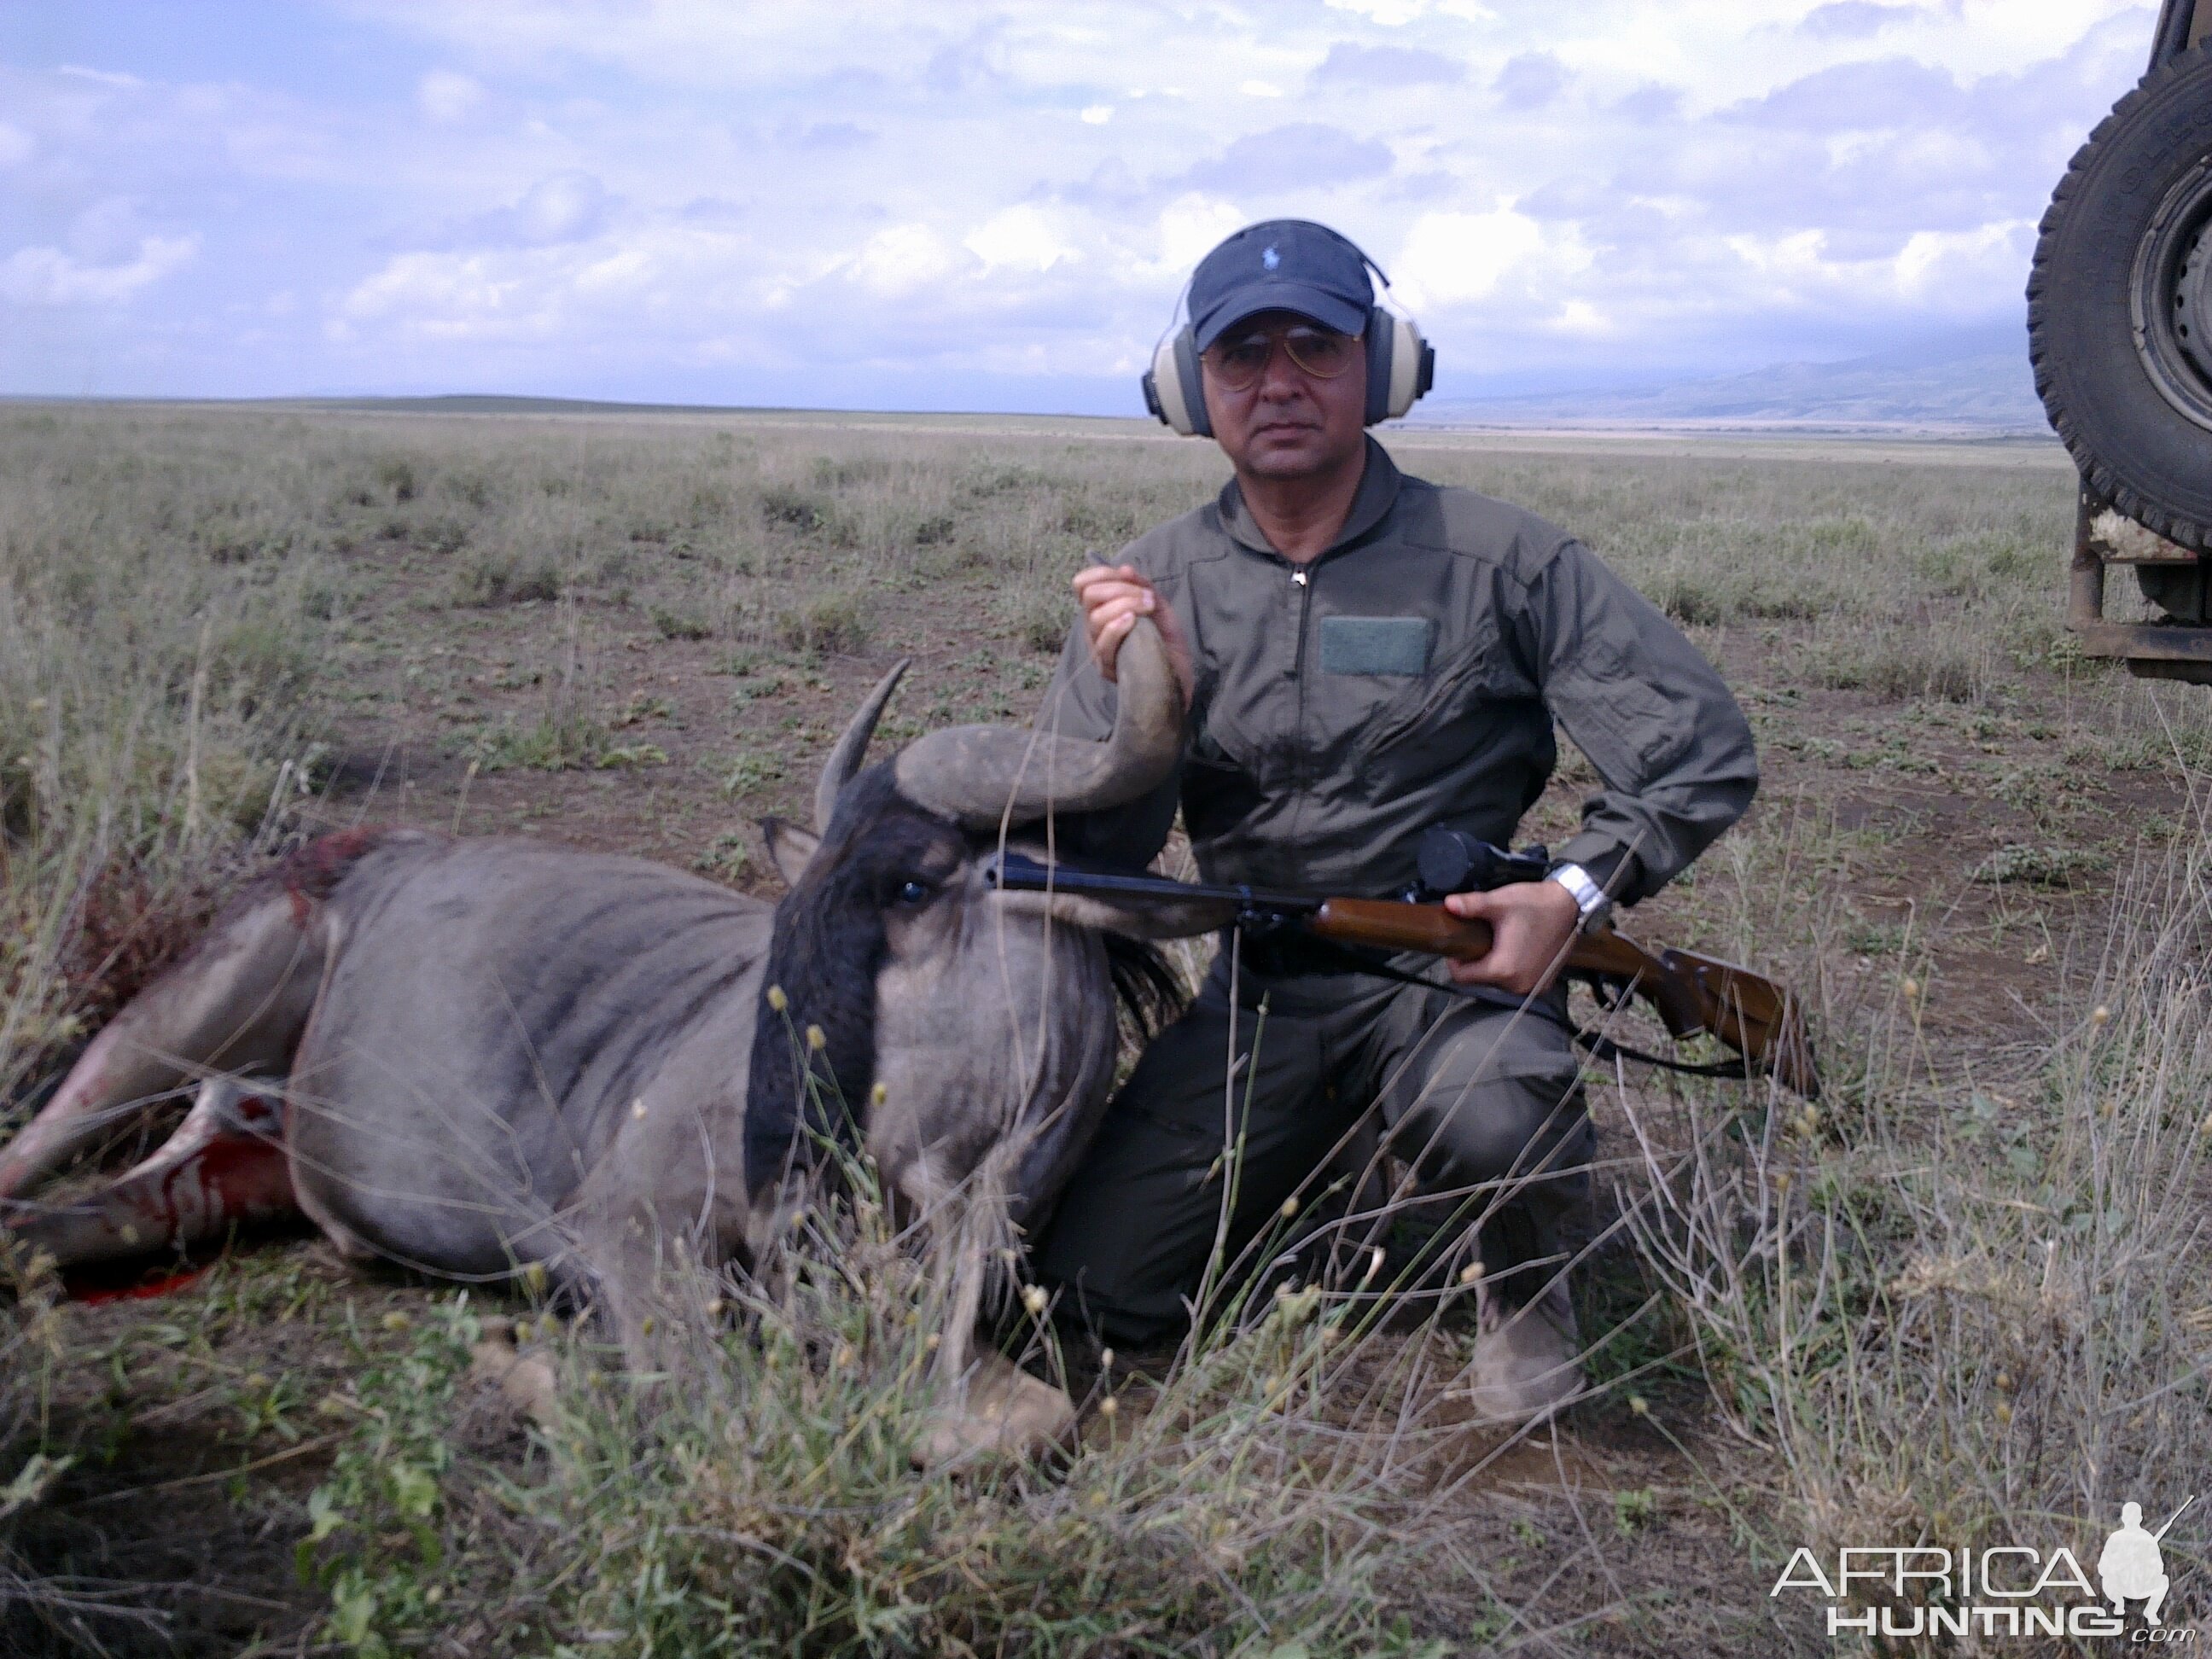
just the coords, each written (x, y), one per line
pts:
(1236, 361)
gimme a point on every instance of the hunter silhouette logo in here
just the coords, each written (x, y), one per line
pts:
(2129, 1567)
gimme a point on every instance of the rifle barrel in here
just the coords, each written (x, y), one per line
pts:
(1018, 873)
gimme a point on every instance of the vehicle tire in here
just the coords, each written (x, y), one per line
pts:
(2119, 304)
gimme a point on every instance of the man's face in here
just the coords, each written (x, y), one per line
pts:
(1294, 418)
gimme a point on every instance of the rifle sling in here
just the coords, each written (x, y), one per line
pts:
(1358, 961)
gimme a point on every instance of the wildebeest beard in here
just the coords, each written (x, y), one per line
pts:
(825, 951)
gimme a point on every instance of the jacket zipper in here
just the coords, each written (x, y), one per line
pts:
(1301, 579)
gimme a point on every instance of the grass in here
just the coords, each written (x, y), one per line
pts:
(161, 619)
(773, 1508)
(1960, 1300)
(1962, 1312)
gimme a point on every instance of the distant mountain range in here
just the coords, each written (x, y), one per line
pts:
(1970, 384)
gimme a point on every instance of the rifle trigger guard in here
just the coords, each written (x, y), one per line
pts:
(1614, 992)
(1258, 921)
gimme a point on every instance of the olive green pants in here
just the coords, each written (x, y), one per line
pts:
(1480, 1100)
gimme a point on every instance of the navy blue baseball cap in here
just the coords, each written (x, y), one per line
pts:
(1281, 265)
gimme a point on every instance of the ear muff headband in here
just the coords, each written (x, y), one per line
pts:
(1401, 365)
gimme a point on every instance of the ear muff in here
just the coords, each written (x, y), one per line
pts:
(1173, 391)
(1401, 366)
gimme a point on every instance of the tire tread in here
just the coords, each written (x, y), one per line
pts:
(2099, 474)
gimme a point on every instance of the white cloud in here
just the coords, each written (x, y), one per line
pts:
(1390, 14)
(1025, 238)
(1937, 264)
(560, 208)
(1451, 258)
(1580, 316)
(1191, 224)
(101, 77)
(447, 295)
(449, 96)
(1397, 14)
(899, 261)
(1687, 181)
(1941, 269)
(539, 294)
(50, 276)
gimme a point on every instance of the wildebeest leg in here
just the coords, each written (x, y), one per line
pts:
(237, 1004)
(987, 1403)
(1002, 1408)
(663, 1205)
(224, 1167)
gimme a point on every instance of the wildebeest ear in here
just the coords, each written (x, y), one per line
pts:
(790, 848)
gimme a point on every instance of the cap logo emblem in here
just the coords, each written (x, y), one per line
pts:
(1271, 259)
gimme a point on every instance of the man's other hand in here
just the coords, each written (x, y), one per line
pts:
(1112, 597)
(1532, 923)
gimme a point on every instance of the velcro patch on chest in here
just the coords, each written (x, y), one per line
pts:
(1376, 645)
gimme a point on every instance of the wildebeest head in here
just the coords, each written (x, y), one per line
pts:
(911, 1007)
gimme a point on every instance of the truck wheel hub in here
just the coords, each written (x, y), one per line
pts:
(2171, 300)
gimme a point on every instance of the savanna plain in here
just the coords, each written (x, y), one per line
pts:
(1962, 1299)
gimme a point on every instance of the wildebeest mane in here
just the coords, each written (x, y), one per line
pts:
(1148, 991)
(825, 949)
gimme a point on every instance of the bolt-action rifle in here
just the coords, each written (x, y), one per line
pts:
(1761, 1021)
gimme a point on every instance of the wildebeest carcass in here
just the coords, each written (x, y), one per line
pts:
(482, 1058)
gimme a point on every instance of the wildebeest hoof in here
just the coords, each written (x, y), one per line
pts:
(999, 1411)
(1526, 1364)
(524, 1381)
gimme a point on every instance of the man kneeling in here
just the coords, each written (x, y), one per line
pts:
(1365, 655)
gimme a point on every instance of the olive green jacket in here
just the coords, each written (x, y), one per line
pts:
(1410, 677)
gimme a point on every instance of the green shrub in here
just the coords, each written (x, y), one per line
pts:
(679, 625)
(557, 741)
(836, 620)
(396, 477)
(375, 1539)
(489, 579)
(2040, 866)
(792, 509)
(1899, 665)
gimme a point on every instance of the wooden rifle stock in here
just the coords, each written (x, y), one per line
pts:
(1393, 925)
(1692, 993)
(1758, 1018)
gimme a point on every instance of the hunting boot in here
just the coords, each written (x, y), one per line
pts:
(1526, 1363)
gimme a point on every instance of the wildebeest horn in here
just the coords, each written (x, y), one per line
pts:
(979, 776)
(845, 759)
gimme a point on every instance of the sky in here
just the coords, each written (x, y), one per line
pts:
(882, 203)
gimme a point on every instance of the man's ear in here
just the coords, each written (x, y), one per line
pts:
(790, 848)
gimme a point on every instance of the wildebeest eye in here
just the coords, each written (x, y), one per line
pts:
(913, 892)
